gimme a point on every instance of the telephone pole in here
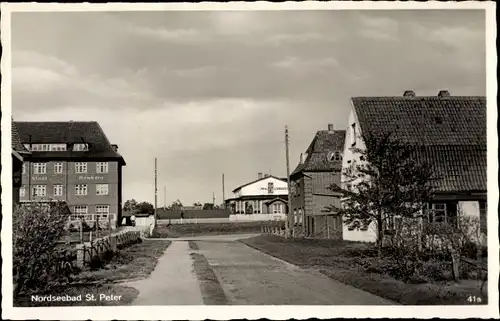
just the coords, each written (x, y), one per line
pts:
(156, 187)
(288, 224)
(223, 193)
(164, 197)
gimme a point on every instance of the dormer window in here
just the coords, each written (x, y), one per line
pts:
(335, 156)
(80, 147)
(45, 147)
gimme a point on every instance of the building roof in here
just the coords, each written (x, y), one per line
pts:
(278, 198)
(457, 168)
(17, 146)
(258, 180)
(70, 132)
(322, 144)
(448, 132)
(427, 120)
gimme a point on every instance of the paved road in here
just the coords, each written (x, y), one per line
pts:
(247, 277)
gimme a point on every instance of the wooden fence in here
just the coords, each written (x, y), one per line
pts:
(99, 248)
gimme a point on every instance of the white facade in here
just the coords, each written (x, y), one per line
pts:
(266, 186)
(256, 217)
(352, 135)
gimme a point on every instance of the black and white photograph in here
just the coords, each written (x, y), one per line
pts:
(249, 160)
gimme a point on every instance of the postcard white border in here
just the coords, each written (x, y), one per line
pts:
(250, 312)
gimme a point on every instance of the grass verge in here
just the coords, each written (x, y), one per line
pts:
(341, 261)
(211, 290)
(197, 229)
(134, 262)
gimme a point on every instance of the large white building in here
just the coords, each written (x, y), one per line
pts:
(262, 199)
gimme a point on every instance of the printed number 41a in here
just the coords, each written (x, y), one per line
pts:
(474, 299)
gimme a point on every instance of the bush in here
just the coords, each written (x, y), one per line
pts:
(86, 227)
(435, 270)
(36, 229)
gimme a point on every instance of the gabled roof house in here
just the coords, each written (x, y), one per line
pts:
(309, 193)
(448, 132)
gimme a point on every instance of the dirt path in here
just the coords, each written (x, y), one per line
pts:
(172, 282)
(250, 277)
(229, 272)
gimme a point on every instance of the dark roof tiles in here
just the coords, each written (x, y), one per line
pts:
(17, 145)
(318, 151)
(425, 120)
(68, 132)
(448, 132)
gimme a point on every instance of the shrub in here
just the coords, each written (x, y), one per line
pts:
(85, 226)
(36, 230)
(435, 270)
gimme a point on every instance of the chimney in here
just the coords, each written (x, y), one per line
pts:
(444, 93)
(259, 175)
(330, 127)
(266, 175)
(301, 161)
(115, 147)
(409, 93)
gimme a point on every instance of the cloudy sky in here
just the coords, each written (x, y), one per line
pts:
(210, 92)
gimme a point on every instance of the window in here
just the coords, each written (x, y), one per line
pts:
(39, 190)
(81, 189)
(270, 187)
(58, 190)
(58, 168)
(441, 212)
(102, 167)
(80, 210)
(102, 210)
(40, 147)
(39, 168)
(80, 168)
(24, 168)
(278, 208)
(80, 147)
(58, 147)
(249, 207)
(101, 189)
(22, 191)
(353, 134)
(334, 156)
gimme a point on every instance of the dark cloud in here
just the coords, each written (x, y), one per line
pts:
(215, 89)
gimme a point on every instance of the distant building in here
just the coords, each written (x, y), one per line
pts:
(72, 162)
(19, 152)
(447, 132)
(191, 208)
(317, 170)
(262, 199)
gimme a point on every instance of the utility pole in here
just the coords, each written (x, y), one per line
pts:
(223, 193)
(288, 225)
(164, 197)
(156, 187)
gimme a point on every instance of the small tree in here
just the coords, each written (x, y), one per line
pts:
(208, 206)
(145, 208)
(36, 229)
(176, 205)
(130, 205)
(387, 181)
